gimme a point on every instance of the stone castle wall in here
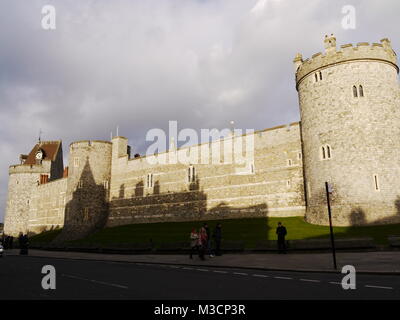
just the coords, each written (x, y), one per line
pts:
(47, 206)
(220, 190)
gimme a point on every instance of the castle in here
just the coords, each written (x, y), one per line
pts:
(348, 136)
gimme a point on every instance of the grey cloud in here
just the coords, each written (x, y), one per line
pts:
(138, 64)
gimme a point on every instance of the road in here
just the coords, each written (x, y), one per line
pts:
(21, 277)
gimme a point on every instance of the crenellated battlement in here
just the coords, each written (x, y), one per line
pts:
(362, 51)
(34, 168)
(88, 143)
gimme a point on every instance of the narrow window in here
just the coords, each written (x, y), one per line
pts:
(86, 214)
(80, 184)
(361, 90)
(105, 184)
(328, 152)
(252, 168)
(289, 162)
(288, 183)
(191, 174)
(149, 180)
(299, 155)
(76, 162)
(316, 78)
(320, 75)
(376, 182)
(355, 91)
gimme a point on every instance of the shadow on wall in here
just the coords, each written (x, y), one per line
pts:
(151, 205)
(358, 217)
(189, 204)
(360, 228)
(87, 211)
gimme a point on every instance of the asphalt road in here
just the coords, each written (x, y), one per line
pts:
(21, 277)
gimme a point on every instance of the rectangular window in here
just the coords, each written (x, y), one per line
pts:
(191, 174)
(289, 162)
(80, 184)
(149, 180)
(376, 182)
(299, 155)
(76, 162)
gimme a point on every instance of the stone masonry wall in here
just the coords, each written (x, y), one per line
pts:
(22, 182)
(363, 134)
(47, 206)
(220, 190)
(87, 188)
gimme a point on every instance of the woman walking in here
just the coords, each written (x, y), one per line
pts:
(194, 238)
(203, 239)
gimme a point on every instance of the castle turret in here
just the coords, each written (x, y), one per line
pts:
(43, 163)
(89, 174)
(330, 44)
(350, 127)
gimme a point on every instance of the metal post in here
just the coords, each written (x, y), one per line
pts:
(327, 187)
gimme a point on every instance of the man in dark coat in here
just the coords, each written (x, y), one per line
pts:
(23, 244)
(281, 232)
(218, 237)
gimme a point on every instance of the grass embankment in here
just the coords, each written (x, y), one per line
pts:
(251, 231)
(45, 237)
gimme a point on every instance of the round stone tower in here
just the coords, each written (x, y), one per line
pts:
(87, 191)
(350, 129)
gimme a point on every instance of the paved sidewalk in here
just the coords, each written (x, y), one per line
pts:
(368, 262)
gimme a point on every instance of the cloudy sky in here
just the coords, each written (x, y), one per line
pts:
(138, 64)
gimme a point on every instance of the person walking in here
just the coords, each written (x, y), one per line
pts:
(202, 243)
(208, 246)
(21, 243)
(5, 243)
(217, 238)
(10, 242)
(281, 232)
(26, 244)
(194, 238)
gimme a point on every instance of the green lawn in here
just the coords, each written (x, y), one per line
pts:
(45, 237)
(250, 231)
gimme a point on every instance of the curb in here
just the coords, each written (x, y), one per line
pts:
(369, 272)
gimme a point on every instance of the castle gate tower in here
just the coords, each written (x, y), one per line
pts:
(87, 190)
(350, 126)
